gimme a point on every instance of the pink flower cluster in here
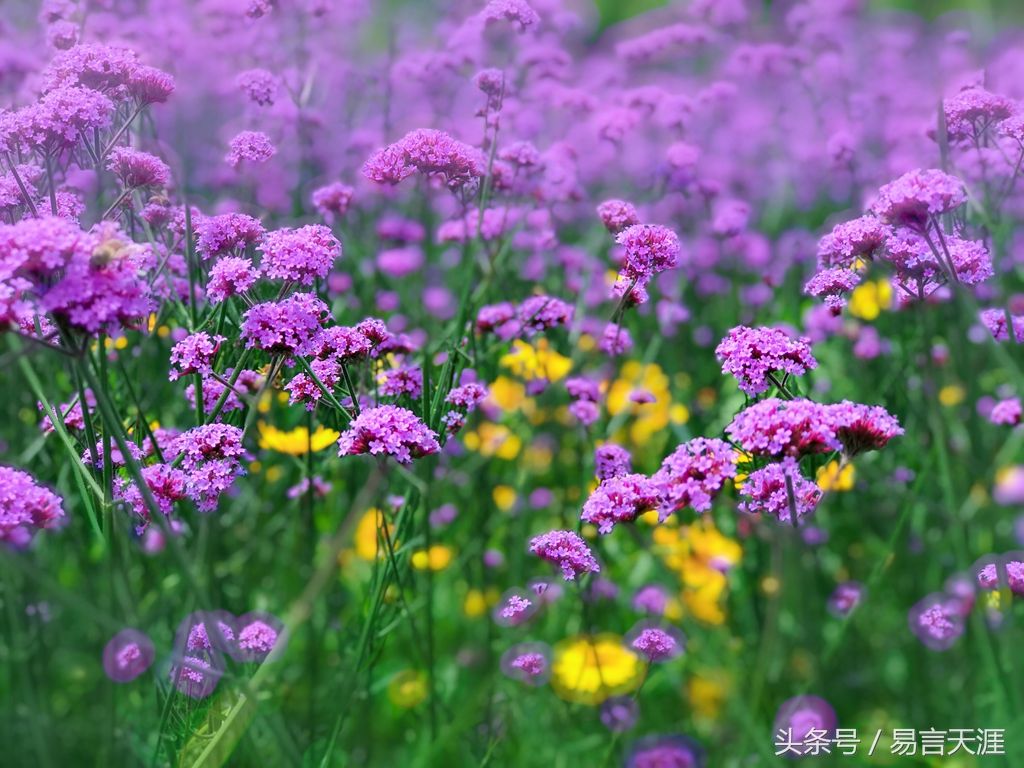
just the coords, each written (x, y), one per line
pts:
(430, 152)
(388, 430)
(566, 550)
(693, 475)
(300, 255)
(754, 355)
(26, 507)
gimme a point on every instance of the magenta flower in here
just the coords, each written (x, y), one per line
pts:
(528, 663)
(429, 152)
(658, 751)
(226, 234)
(655, 644)
(230, 276)
(756, 356)
(516, 12)
(611, 460)
(649, 249)
(194, 354)
(775, 427)
(135, 169)
(390, 431)
(249, 147)
(616, 215)
(778, 489)
(615, 340)
(862, 427)
(915, 197)
(258, 635)
(333, 200)
(1007, 412)
(619, 499)
(693, 475)
(566, 550)
(259, 85)
(127, 655)
(286, 326)
(209, 442)
(995, 320)
(300, 255)
(800, 719)
(852, 240)
(936, 622)
(832, 285)
(26, 507)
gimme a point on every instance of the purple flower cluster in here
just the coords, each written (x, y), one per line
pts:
(390, 431)
(918, 195)
(611, 460)
(251, 147)
(778, 489)
(754, 355)
(655, 644)
(533, 315)
(1006, 412)
(693, 474)
(231, 276)
(619, 499)
(647, 250)
(300, 255)
(194, 354)
(137, 169)
(284, 327)
(432, 153)
(26, 507)
(617, 215)
(566, 550)
(333, 200)
(226, 234)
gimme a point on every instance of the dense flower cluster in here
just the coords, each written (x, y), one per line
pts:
(390, 431)
(693, 474)
(777, 490)
(566, 550)
(533, 315)
(619, 499)
(26, 507)
(429, 152)
(299, 255)
(755, 355)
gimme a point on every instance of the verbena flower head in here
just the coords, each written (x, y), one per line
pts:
(226, 234)
(127, 655)
(973, 110)
(258, 635)
(26, 507)
(106, 68)
(998, 572)
(649, 249)
(970, 259)
(619, 499)
(206, 631)
(801, 718)
(766, 491)
(388, 430)
(194, 354)
(528, 663)
(514, 609)
(916, 196)
(617, 215)
(166, 485)
(693, 474)
(196, 674)
(250, 147)
(832, 285)
(428, 151)
(1006, 412)
(619, 713)
(611, 460)
(660, 751)
(137, 169)
(209, 442)
(283, 327)
(300, 255)
(936, 622)
(333, 200)
(518, 13)
(862, 428)
(754, 355)
(845, 598)
(206, 482)
(615, 340)
(149, 85)
(995, 320)
(566, 550)
(852, 240)
(230, 276)
(775, 427)
(655, 643)
(259, 85)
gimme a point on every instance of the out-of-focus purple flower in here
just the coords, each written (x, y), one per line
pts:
(137, 169)
(258, 635)
(659, 751)
(333, 200)
(196, 675)
(250, 147)
(651, 599)
(611, 460)
(616, 215)
(619, 713)
(801, 721)
(655, 643)
(127, 655)
(936, 622)
(615, 340)
(1006, 412)
(845, 598)
(259, 85)
(916, 196)
(528, 663)
(852, 240)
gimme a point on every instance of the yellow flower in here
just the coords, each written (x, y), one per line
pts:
(679, 413)
(274, 474)
(295, 442)
(833, 478)
(477, 602)
(508, 394)
(504, 497)
(707, 693)
(589, 669)
(952, 394)
(492, 439)
(437, 558)
(536, 362)
(701, 555)
(366, 544)
(408, 688)
(869, 299)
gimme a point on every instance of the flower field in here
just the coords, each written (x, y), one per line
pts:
(485, 383)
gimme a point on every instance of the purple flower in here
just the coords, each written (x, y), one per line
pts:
(615, 340)
(196, 675)
(970, 112)
(258, 635)
(619, 713)
(205, 484)
(832, 285)
(333, 200)
(230, 276)
(779, 488)
(693, 474)
(936, 622)
(515, 609)
(616, 215)
(649, 249)
(516, 12)
(852, 240)
(1006, 412)
(26, 507)
(166, 484)
(916, 196)
(528, 663)
(226, 234)
(61, 117)
(210, 442)
(862, 428)
(845, 598)
(284, 327)
(801, 719)
(249, 146)
(391, 431)
(775, 427)
(755, 355)
(137, 169)
(259, 85)
(655, 644)
(566, 550)
(611, 460)
(194, 354)
(996, 322)
(127, 655)
(404, 380)
(428, 151)
(300, 255)
(662, 751)
(619, 500)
